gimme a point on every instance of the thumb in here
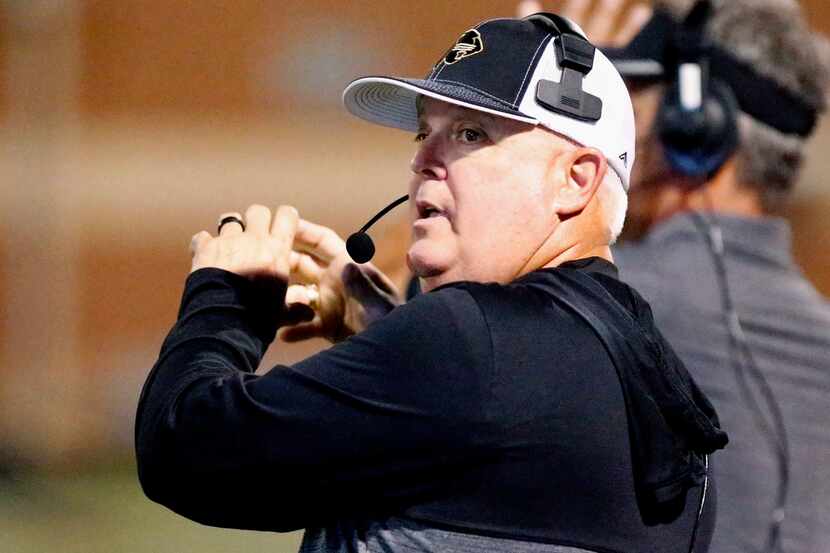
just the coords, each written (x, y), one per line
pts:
(362, 288)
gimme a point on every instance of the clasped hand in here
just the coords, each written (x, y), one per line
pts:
(327, 294)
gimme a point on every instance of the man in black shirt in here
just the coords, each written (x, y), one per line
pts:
(525, 402)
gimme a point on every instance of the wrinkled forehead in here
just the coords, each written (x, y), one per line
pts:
(431, 107)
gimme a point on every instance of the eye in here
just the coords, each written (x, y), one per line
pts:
(470, 136)
(420, 136)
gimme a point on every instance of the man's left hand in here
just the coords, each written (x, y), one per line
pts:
(346, 297)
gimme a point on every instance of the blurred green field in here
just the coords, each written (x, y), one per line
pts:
(106, 512)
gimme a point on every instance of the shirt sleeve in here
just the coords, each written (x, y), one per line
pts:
(379, 421)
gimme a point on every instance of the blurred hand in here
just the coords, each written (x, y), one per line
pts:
(608, 24)
(348, 297)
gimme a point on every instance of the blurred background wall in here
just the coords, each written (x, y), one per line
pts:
(127, 126)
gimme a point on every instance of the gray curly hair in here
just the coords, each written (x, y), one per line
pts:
(774, 38)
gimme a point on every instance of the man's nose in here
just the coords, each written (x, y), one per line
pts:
(428, 162)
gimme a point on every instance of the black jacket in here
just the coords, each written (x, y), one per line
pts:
(546, 410)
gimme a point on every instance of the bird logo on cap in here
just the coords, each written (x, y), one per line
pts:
(468, 44)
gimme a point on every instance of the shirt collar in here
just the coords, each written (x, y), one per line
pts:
(588, 264)
(766, 237)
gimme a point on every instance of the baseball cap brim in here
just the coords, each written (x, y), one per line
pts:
(391, 101)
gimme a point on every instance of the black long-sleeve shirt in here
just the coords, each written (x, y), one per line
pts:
(479, 408)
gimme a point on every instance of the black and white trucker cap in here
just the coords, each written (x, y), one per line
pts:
(541, 70)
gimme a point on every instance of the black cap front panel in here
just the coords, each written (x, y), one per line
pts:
(494, 60)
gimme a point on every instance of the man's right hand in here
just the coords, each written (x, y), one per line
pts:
(253, 246)
(605, 24)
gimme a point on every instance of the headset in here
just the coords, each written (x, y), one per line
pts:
(697, 118)
(697, 121)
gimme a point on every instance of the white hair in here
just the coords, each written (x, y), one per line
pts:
(614, 202)
(612, 196)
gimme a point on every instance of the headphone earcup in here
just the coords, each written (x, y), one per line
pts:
(697, 143)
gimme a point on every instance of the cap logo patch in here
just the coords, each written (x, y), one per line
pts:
(468, 44)
(624, 159)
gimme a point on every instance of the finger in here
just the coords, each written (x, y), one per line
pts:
(298, 308)
(294, 294)
(301, 332)
(297, 293)
(283, 230)
(296, 313)
(528, 7)
(198, 241)
(305, 268)
(358, 284)
(603, 20)
(228, 227)
(382, 281)
(318, 240)
(634, 20)
(258, 219)
(576, 11)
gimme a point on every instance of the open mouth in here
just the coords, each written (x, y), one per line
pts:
(429, 211)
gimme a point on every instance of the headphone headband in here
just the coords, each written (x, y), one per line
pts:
(559, 24)
(651, 55)
(762, 98)
(689, 42)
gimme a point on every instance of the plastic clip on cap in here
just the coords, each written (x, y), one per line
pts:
(576, 56)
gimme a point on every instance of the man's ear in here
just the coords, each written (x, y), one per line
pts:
(584, 170)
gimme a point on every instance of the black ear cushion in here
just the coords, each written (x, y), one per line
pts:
(697, 143)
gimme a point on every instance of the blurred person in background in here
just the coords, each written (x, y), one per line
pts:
(717, 159)
(525, 402)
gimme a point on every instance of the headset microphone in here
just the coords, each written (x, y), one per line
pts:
(360, 245)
